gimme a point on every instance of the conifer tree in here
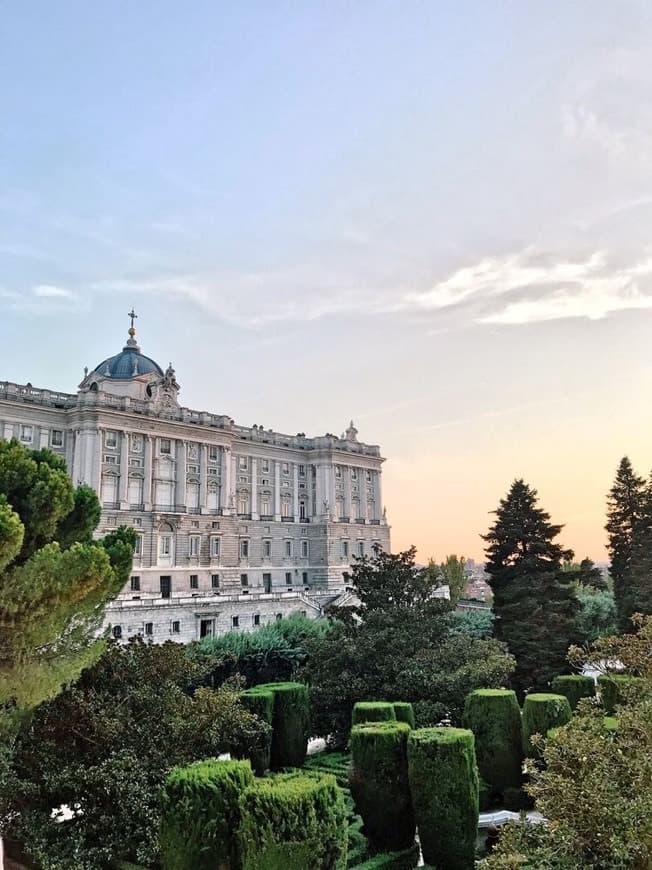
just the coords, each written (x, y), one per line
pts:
(625, 507)
(635, 594)
(534, 601)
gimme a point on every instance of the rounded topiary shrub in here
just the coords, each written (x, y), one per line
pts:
(290, 723)
(541, 712)
(616, 689)
(379, 783)
(201, 813)
(574, 687)
(260, 701)
(444, 784)
(293, 821)
(495, 719)
(404, 712)
(373, 711)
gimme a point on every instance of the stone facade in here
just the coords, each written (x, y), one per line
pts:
(235, 525)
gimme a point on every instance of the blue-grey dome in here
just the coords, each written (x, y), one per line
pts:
(128, 364)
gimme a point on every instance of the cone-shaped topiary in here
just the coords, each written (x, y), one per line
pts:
(201, 814)
(444, 784)
(616, 689)
(373, 711)
(404, 712)
(293, 821)
(495, 719)
(574, 687)
(290, 723)
(260, 701)
(541, 712)
(379, 783)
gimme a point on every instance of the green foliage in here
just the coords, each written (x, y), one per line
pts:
(617, 689)
(597, 615)
(401, 649)
(106, 745)
(541, 712)
(78, 526)
(373, 711)
(574, 687)
(293, 821)
(404, 712)
(260, 701)
(494, 717)
(406, 859)
(453, 573)
(290, 725)
(201, 813)
(379, 783)
(475, 623)
(534, 600)
(444, 784)
(586, 574)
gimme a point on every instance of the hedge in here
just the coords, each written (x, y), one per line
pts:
(616, 689)
(406, 859)
(290, 723)
(404, 712)
(373, 711)
(293, 821)
(495, 719)
(574, 687)
(379, 783)
(201, 813)
(260, 701)
(541, 712)
(444, 783)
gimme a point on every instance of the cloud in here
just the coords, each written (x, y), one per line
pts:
(49, 291)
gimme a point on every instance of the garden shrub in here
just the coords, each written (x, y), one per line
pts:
(574, 687)
(260, 701)
(373, 711)
(379, 783)
(495, 719)
(444, 784)
(541, 712)
(293, 821)
(406, 859)
(404, 712)
(616, 689)
(201, 813)
(610, 723)
(290, 723)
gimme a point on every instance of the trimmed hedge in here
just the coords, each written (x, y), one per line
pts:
(373, 711)
(260, 701)
(444, 784)
(201, 813)
(495, 719)
(290, 723)
(404, 712)
(293, 821)
(406, 859)
(379, 783)
(541, 712)
(574, 687)
(615, 689)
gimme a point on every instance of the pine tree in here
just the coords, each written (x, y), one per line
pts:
(625, 508)
(636, 593)
(534, 602)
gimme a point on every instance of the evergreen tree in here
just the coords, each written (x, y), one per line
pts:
(636, 593)
(534, 602)
(625, 507)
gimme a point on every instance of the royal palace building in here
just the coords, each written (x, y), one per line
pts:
(235, 526)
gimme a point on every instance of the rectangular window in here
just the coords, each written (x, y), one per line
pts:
(360, 548)
(166, 586)
(345, 549)
(165, 446)
(194, 581)
(215, 581)
(135, 463)
(242, 463)
(110, 440)
(117, 632)
(149, 628)
(244, 549)
(215, 548)
(367, 474)
(194, 545)
(305, 578)
(213, 453)
(138, 546)
(109, 460)
(165, 545)
(243, 478)
(256, 618)
(302, 471)
(288, 548)
(279, 617)
(136, 443)
(193, 469)
(288, 578)
(213, 471)
(235, 621)
(206, 627)
(286, 468)
(244, 580)
(134, 582)
(176, 627)
(56, 438)
(304, 549)
(267, 583)
(264, 465)
(267, 549)
(354, 474)
(338, 471)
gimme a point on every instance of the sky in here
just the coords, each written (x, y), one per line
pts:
(431, 217)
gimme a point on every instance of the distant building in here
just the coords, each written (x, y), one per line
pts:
(236, 526)
(477, 588)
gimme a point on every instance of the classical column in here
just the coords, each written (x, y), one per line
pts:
(96, 477)
(76, 461)
(225, 478)
(180, 488)
(277, 491)
(330, 488)
(147, 483)
(233, 508)
(124, 469)
(378, 495)
(203, 477)
(43, 437)
(346, 480)
(363, 497)
(254, 488)
(318, 507)
(295, 491)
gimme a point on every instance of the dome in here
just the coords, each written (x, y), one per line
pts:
(130, 363)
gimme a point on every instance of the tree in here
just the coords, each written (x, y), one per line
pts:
(534, 604)
(104, 746)
(635, 595)
(54, 580)
(453, 572)
(625, 507)
(586, 574)
(597, 614)
(396, 644)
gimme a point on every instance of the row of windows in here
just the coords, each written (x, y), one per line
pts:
(166, 582)
(207, 626)
(26, 436)
(136, 444)
(215, 547)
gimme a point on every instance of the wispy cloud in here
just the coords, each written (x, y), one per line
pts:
(49, 291)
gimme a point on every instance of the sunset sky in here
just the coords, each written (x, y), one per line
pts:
(431, 217)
